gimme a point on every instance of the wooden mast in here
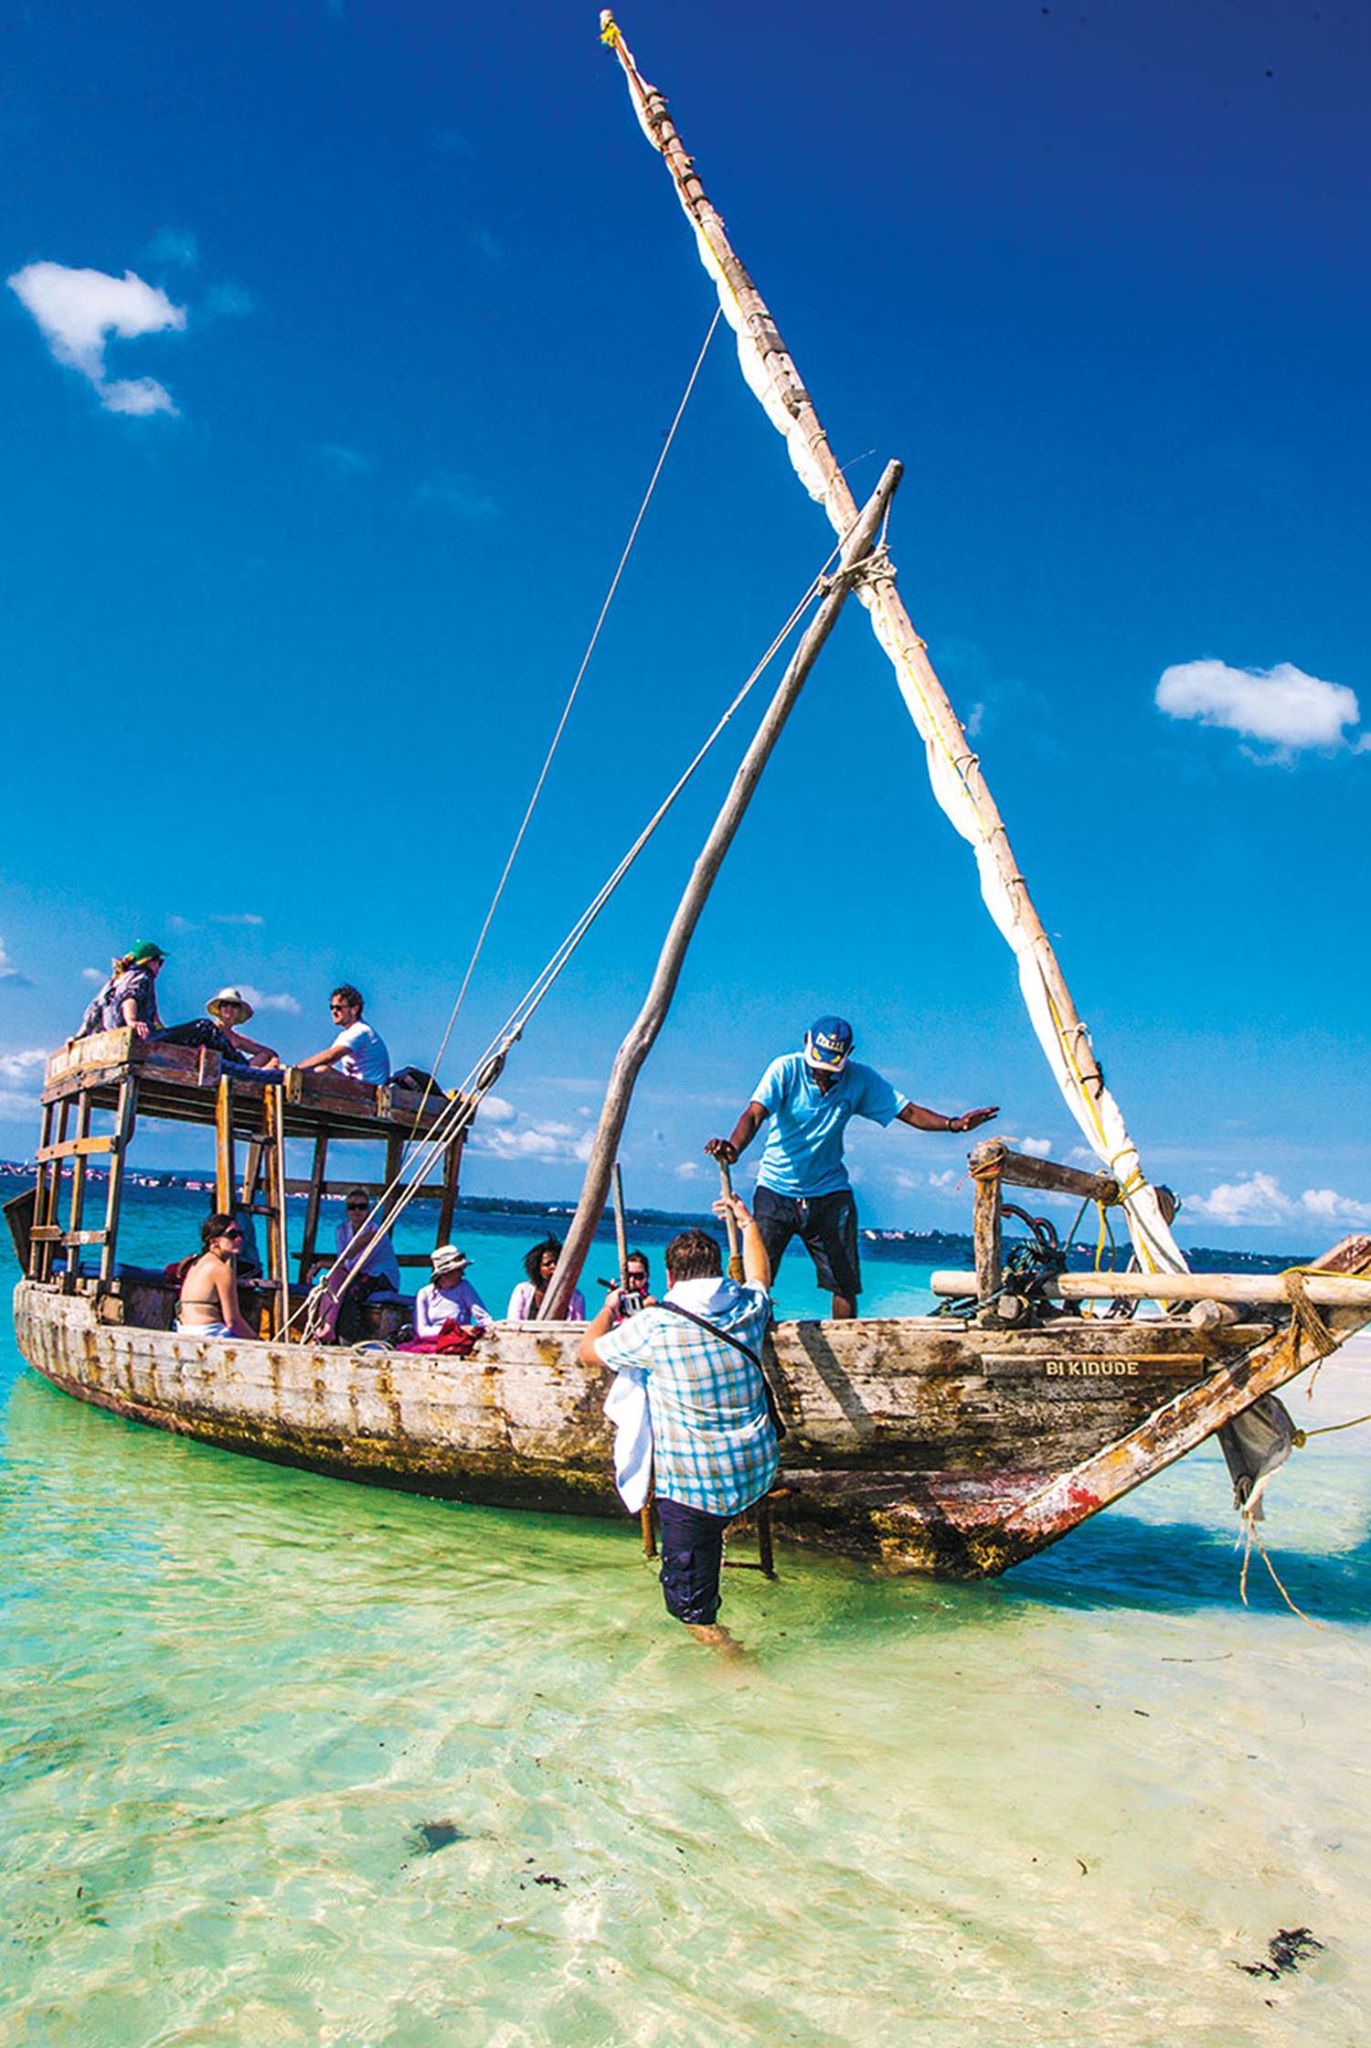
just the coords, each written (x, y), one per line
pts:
(953, 765)
(638, 1044)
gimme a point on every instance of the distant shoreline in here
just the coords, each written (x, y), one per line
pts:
(922, 1247)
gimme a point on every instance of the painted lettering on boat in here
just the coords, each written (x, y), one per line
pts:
(1091, 1369)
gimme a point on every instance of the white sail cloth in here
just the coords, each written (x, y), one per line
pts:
(951, 763)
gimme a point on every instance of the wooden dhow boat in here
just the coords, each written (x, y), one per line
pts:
(957, 1443)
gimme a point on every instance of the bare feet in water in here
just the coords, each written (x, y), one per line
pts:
(717, 1637)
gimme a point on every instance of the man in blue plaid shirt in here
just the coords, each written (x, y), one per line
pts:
(713, 1445)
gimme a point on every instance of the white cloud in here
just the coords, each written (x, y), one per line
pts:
(227, 301)
(1332, 1207)
(689, 1169)
(174, 245)
(19, 1074)
(461, 494)
(1261, 1200)
(10, 973)
(344, 461)
(91, 974)
(235, 917)
(1281, 706)
(1035, 1148)
(1257, 1199)
(138, 397)
(77, 311)
(286, 1004)
(499, 1133)
(558, 1143)
(948, 1178)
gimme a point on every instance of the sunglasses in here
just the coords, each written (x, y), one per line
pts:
(357, 1208)
(231, 1233)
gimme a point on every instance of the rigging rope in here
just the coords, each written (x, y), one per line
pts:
(571, 697)
(462, 1104)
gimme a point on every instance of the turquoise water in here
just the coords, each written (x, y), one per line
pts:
(290, 1761)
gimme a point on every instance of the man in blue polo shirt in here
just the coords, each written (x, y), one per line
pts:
(802, 1184)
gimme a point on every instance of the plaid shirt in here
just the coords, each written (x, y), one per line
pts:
(713, 1446)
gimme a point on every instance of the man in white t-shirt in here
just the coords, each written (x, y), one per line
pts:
(358, 1052)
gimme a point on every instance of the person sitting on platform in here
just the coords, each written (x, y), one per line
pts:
(208, 1306)
(129, 999)
(230, 1010)
(540, 1263)
(449, 1296)
(129, 995)
(365, 1265)
(358, 1053)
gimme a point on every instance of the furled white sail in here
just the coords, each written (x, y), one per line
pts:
(953, 768)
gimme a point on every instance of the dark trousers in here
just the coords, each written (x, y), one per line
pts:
(692, 1560)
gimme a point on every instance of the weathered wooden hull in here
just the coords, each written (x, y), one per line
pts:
(930, 1443)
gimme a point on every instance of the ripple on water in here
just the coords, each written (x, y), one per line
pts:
(239, 1695)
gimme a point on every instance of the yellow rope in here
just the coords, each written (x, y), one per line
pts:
(1302, 1436)
(1253, 1539)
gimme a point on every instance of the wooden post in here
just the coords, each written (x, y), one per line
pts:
(124, 1117)
(40, 1250)
(643, 1034)
(54, 1215)
(452, 1173)
(955, 768)
(987, 1218)
(278, 1236)
(253, 1153)
(223, 1147)
(78, 1179)
(766, 1555)
(620, 1224)
(318, 1175)
(621, 1246)
(735, 1255)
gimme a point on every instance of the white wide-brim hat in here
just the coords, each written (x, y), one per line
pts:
(448, 1258)
(229, 995)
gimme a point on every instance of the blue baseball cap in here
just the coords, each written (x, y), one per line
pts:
(828, 1042)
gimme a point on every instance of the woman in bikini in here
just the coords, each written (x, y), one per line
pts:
(209, 1293)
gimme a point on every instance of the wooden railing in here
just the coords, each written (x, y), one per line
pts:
(993, 1167)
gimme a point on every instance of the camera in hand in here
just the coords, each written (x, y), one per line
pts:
(631, 1299)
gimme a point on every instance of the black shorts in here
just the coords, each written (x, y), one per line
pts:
(827, 1227)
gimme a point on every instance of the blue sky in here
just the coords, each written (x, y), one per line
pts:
(298, 568)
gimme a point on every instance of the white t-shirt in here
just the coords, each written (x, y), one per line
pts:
(521, 1308)
(366, 1058)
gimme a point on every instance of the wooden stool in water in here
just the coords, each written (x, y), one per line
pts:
(765, 1561)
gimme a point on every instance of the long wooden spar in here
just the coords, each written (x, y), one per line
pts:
(638, 1044)
(953, 767)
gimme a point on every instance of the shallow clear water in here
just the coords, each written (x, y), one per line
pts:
(1058, 1807)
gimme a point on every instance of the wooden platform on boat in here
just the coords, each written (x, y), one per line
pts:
(136, 1079)
(181, 1084)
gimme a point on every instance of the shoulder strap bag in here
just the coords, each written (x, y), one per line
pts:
(701, 1323)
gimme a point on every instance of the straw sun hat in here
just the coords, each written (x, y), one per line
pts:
(230, 995)
(448, 1259)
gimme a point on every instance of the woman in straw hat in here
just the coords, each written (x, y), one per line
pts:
(449, 1296)
(230, 1009)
